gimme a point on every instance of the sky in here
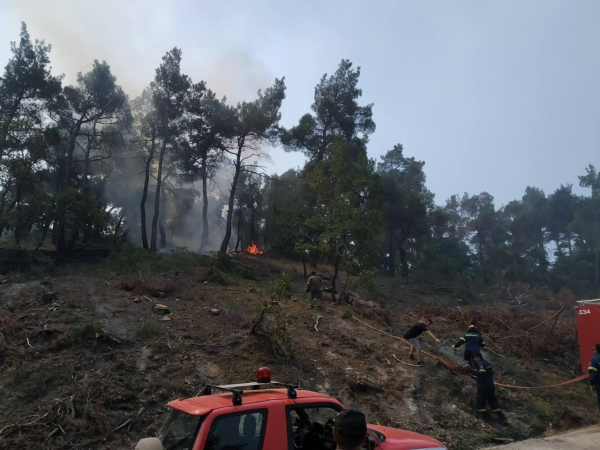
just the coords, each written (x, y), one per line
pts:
(493, 95)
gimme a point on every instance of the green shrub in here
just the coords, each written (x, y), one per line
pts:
(212, 275)
(148, 330)
(280, 288)
(86, 332)
(131, 257)
(347, 314)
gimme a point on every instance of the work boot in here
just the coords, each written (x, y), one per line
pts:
(485, 415)
(419, 363)
(501, 417)
(412, 357)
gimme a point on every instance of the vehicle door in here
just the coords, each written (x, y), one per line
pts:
(247, 427)
(310, 426)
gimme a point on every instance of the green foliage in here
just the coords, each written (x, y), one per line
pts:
(212, 275)
(85, 333)
(131, 258)
(347, 314)
(280, 288)
(148, 330)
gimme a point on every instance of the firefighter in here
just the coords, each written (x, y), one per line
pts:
(413, 333)
(473, 342)
(313, 286)
(486, 391)
(350, 430)
(594, 370)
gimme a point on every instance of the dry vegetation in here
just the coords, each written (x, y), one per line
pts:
(95, 367)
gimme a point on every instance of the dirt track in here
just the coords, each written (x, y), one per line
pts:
(584, 439)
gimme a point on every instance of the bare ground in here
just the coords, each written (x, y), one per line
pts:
(95, 367)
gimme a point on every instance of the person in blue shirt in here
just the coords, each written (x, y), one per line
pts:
(594, 370)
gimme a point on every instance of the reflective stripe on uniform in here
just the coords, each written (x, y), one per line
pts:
(462, 339)
(482, 370)
(472, 335)
(497, 410)
(593, 368)
(482, 410)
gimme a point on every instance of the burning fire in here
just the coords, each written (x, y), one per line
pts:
(254, 250)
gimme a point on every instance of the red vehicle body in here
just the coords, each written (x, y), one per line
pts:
(268, 419)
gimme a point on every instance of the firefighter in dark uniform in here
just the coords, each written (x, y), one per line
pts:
(486, 392)
(594, 370)
(473, 342)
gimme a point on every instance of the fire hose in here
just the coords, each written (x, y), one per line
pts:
(458, 369)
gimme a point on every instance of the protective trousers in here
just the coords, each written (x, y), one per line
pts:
(488, 396)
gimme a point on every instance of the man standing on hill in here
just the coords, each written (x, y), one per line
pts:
(486, 391)
(413, 333)
(473, 342)
(594, 370)
(313, 286)
(350, 430)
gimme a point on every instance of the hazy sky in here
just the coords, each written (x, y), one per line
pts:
(493, 95)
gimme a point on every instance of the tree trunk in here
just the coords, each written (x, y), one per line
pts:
(252, 225)
(158, 190)
(19, 204)
(161, 220)
(238, 166)
(61, 245)
(3, 198)
(403, 262)
(44, 234)
(145, 190)
(10, 208)
(239, 229)
(204, 239)
(118, 227)
(86, 165)
(392, 252)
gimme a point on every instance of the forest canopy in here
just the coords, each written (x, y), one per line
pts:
(179, 166)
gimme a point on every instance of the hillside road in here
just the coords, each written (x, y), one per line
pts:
(584, 439)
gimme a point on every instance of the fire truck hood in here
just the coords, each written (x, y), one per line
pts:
(406, 440)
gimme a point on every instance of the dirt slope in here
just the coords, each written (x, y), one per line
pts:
(98, 356)
(585, 439)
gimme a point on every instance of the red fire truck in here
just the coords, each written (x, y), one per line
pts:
(266, 415)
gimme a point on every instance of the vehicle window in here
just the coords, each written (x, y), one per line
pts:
(315, 414)
(243, 431)
(311, 427)
(179, 430)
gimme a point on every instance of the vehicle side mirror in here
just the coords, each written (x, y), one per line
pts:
(370, 443)
(149, 444)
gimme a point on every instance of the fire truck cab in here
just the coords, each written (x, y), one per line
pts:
(266, 415)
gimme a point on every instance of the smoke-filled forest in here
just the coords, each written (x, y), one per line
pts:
(84, 165)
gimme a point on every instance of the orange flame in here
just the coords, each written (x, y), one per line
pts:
(254, 250)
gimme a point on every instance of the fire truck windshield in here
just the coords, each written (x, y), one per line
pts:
(179, 431)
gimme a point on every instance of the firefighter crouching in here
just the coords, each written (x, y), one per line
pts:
(486, 391)
(473, 342)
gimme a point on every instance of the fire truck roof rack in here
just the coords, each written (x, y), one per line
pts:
(589, 302)
(238, 389)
